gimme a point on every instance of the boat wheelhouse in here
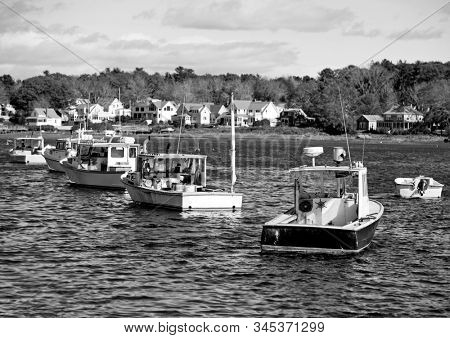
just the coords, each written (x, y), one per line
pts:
(100, 164)
(28, 150)
(177, 181)
(332, 212)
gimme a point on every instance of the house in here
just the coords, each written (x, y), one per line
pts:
(199, 113)
(6, 110)
(401, 117)
(216, 111)
(257, 111)
(240, 120)
(111, 106)
(155, 110)
(44, 117)
(295, 117)
(94, 113)
(369, 122)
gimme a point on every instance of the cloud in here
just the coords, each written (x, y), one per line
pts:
(145, 15)
(13, 17)
(357, 29)
(62, 30)
(425, 34)
(265, 14)
(92, 38)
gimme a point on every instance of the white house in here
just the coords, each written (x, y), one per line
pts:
(94, 113)
(6, 110)
(44, 117)
(155, 110)
(258, 111)
(199, 112)
(111, 106)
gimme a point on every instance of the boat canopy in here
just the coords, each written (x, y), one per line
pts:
(185, 168)
(28, 142)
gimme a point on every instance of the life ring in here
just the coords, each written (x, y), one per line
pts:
(305, 205)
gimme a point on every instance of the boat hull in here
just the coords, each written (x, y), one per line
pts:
(21, 157)
(54, 164)
(184, 200)
(319, 239)
(103, 179)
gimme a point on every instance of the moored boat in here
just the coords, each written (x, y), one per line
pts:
(177, 181)
(53, 155)
(100, 164)
(418, 187)
(332, 212)
(28, 150)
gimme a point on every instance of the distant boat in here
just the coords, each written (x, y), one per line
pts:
(332, 212)
(63, 149)
(28, 150)
(100, 164)
(418, 187)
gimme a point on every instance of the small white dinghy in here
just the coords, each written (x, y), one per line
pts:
(418, 187)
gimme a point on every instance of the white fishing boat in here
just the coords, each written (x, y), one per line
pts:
(28, 150)
(178, 181)
(54, 154)
(100, 164)
(332, 212)
(418, 187)
(66, 147)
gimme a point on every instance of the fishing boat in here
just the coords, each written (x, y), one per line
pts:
(418, 187)
(66, 147)
(100, 164)
(28, 150)
(332, 212)
(54, 154)
(178, 181)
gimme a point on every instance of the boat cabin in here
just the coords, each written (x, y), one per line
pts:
(34, 145)
(105, 157)
(330, 195)
(179, 172)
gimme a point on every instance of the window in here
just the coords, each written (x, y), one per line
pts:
(142, 108)
(117, 152)
(137, 108)
(133, 152)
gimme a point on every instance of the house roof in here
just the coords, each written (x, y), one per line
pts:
(401, 110)
(46, 112)
(215, 108)
(373, 118)
(242, 104)
(105, 101)
(257, 105)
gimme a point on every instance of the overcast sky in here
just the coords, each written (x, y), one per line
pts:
(268, 37)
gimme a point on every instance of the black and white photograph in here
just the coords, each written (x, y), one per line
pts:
(224, 168)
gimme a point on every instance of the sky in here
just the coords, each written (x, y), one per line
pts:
(267, 37)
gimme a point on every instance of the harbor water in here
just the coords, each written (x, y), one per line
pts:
(68, 251)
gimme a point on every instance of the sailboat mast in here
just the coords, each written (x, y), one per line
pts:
(233, 147)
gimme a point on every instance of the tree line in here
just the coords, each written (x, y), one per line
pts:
(372, 90)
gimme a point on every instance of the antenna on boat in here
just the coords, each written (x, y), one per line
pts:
(345, 127)
(181, 123)
(233, 147)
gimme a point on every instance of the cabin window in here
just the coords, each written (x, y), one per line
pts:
(61, 145)
(117, 152)
(99, 152)
(133, 152)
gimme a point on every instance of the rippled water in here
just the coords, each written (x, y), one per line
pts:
(67, 251)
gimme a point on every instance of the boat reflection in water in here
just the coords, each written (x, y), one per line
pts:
(332, 214)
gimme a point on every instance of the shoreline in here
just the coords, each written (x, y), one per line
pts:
(371, 138)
